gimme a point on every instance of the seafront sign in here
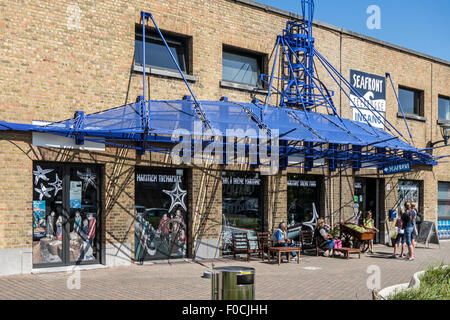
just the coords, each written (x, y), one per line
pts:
(373, 89)
(398, 167)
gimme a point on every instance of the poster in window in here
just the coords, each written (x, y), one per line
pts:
(408, 191)
(75, 194)
(160, 214)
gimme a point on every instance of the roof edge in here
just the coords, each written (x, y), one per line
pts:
(343, 31)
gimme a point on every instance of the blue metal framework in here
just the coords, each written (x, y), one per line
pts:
(308, 139)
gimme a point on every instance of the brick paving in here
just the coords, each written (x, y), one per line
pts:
(314, 278)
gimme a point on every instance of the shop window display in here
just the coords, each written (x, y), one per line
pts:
(65, 213)
(241, 207)
(83, 214)
(160, 214)
(408, 191)
(47, 214)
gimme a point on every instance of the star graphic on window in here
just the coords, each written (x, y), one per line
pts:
(41, 174)
(43, 192)
(57, 185)
(88, 178)
(177, 196)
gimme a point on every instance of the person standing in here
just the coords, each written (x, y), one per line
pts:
(417, 221)
(408, 224)
(368, 223)
(400, 237)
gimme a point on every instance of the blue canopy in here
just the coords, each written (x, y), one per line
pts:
(126, 124)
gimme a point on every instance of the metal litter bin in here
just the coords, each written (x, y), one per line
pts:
(233, 283)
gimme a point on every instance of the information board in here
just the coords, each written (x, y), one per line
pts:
(428, 233)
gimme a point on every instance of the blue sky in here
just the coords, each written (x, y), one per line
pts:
(420, 25)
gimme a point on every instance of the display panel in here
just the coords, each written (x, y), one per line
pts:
(84, 208)
(47, 214)
(160, 213)
(241, 207)
(408, 190)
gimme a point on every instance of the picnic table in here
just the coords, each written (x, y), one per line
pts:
(280, 250)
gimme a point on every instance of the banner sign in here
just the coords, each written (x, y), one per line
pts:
(395, 168)
(373, 89)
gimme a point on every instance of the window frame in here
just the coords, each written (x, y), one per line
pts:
(418, 97)
(175, 39)
(440, 96)
(261, 59)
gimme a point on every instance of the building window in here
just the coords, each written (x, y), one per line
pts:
(161, 213)
(156, 54)
(409, 190)
(411, 101)
(242, 67)
(241, 207)
(444, 108)
(444, 210)
(303, 203)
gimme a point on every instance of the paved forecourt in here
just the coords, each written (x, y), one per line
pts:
(314, 278)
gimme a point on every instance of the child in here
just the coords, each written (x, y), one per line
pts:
(400, 236)
(368, 223)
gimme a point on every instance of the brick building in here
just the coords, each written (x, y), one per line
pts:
(65, 57)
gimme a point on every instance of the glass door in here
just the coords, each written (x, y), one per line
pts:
(84, 214)
(48, 218)
(66, 212)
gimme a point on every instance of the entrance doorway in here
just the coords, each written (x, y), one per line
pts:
(66, 214)
(369, 193)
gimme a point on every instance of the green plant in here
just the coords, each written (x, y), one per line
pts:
(434, 285)
(334, 232)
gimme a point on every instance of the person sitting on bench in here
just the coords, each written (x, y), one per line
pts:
(325, 241)
(280, 238)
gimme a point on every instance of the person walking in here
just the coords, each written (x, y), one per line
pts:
(408, 223)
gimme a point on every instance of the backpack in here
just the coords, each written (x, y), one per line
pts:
(418, 217)
(406, 217)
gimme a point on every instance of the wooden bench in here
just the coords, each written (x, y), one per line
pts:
(240, 244)
(347, 251)
(281, 250)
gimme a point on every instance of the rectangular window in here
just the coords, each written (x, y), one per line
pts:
(444, 210)
(444, 108)
(241, 207)
(408, 190)
(242, 67)
(444, 200)
(161, 212)
(156, 54)
(411, 101)
(303, 195)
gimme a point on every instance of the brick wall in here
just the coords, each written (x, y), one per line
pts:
(52, 66)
